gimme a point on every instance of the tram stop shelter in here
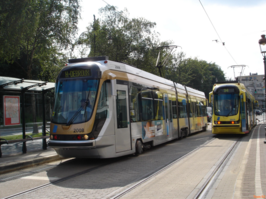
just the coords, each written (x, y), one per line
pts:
(25, 111)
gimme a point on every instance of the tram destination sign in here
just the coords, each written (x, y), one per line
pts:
(76, 73)
(226, 90)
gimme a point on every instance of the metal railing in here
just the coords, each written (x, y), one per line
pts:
(28, 138)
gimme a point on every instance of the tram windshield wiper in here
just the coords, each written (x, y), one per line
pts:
(74, 116)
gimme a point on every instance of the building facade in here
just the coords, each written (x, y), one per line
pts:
(255, 84)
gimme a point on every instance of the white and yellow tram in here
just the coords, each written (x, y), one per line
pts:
(107, 109)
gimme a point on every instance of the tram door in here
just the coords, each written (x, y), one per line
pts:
(122, 127)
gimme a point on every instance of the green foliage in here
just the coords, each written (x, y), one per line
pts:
(132, 41)
(18, 137)
(194, 73)
(32, 33)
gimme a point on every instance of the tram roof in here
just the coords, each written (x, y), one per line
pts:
(235, 83)
(106, 64)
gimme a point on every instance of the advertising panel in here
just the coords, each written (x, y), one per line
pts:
(11, 110)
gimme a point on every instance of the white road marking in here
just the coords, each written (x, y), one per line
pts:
(40, 178)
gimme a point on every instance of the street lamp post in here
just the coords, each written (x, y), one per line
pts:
(262, 43)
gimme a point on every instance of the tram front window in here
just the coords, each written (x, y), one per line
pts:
(74, 100)
(226, 104)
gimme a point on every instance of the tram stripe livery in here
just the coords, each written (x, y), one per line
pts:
(106, 109)
(233, 108)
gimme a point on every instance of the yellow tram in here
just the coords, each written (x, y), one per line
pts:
(233, 108)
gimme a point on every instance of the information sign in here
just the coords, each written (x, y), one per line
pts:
(11, 110)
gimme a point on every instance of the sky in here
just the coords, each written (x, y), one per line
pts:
(238, 23)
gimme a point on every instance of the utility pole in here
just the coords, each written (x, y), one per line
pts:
(94, 35)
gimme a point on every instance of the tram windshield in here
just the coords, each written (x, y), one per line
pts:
(74, 100)
(226, 104)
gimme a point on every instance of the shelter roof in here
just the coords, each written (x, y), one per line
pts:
(17, 84)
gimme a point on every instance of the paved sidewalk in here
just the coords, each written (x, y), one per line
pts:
(15, 162)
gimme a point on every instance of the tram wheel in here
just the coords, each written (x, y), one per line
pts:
(139, 147)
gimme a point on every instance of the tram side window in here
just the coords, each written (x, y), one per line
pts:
(121, 106)
(200, 109)
(134, 104)
(158, 105)
(191, 109)
(182, 110)
(174, 109)
(171, 110)
(197, 110)
(203, 110)
(147, 105)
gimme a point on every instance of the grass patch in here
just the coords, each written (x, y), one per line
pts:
(18, 137)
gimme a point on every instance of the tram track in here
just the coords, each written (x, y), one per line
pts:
(217, 171)
(57, 181)
(98, 166)
(210, 180)
(155, 173)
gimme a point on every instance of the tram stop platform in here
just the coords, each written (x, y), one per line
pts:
(21, 161)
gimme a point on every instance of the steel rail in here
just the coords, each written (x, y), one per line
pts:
(57, 181)
(158, 171)
(215, 174)
(202, 193)
(145, 178)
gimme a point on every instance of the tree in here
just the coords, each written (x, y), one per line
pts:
(132, 41)
(194, 73)
(32, 33)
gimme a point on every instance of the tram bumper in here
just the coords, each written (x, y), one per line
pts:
(72, 144)
(227, 129)
(102, 147)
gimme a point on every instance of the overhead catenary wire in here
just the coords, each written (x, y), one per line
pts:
(106, 3)
(217, 32)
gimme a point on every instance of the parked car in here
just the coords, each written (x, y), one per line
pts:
(209, 117)
(258, 112)
(263, 109)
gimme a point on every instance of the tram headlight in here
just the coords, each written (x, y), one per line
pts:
(51, 137)
(85, 137)
(219, 122)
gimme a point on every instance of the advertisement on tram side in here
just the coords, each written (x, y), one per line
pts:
(152, 129)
